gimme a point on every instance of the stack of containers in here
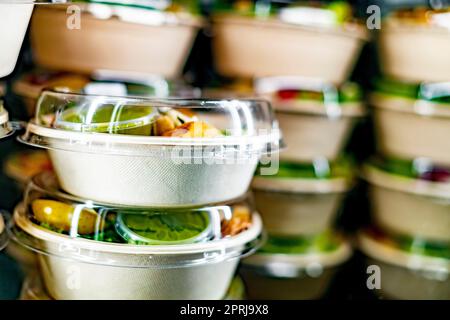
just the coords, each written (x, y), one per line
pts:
(409, 181)
(150, 198)
(300, 58)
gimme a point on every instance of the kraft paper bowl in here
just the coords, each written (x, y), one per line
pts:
(112, 37)
(248, 47)
(416, 50)
(406, 275)
(409, 206)
(292, 276)
(316, 117)
(293, 204)
(410, 127)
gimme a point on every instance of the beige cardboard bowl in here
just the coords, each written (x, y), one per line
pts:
(408, 206)
(14, 18)
(408, 129)
(311, 134)
(145, 43)
(248, 47)
(407, 276)
(296, 207)
(71, 269)
(414, 52)
(291, 277)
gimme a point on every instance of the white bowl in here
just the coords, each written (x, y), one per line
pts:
(32, 289)
(296, 206)
(408, 206)
(408, 129)
(75, 268)
(140, 39)
(292, 276)
(139, 170)
(242, 48)
(14, 18)
(407, 276)
(414, 52)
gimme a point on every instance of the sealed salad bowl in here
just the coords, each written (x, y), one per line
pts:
(410, 269)
(150, 253)
(115, 35)
(414, 45)
(254, 42)
(317, 118)
(412, 120)
(146, 152)
(295, 268)
(410, 199)
(301, 200)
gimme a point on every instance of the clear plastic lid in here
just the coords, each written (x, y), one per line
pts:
(52, 222)
(143, 126)
(425, 99)
(289, 257)
(309, 95)
(321, 176)
(406, 252)
(418, 178)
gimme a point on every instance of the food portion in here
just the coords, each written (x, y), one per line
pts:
(312, 13)
(139, 119)
(423, 16)
(321, 243)
(411, 245)
(139, 227)
(341, 168)
(421, 168)
(349, 92)
(163, 228)
(435, 92)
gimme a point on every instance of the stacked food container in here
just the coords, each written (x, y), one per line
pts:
(146, 195)
(409, 181)
(148, 199)
(303, 71)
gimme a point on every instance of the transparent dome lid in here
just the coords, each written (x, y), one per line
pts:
(52, 222)
(137, 125)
